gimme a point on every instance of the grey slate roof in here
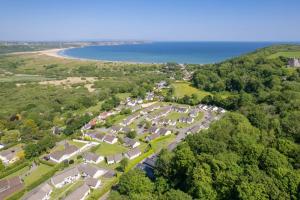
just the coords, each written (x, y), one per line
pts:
(91, 156)
(67, 173)
(78, 193)
(38, 193)
(133, 152)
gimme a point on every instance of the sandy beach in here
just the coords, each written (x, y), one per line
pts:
(53, 52)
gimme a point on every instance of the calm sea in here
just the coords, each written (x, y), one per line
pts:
(162, 52)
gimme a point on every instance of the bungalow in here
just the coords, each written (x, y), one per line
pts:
(164, 121)
(129, 120)
(194, 113)
(164, 131)
(133, 153)
(152, 137)
(67, 176)
(135, 108)
(10, 155)
(104, 115)
(188, 120)
(10, 186)
(110, 139)
(162, 84)
(152, 117)
(130, 142)
(61, 155)
(139, 100)
(88, 170)
(132, 103)
(93, 183)
(114, 159)
(92, 158)
(80, 193)
(116, 129)
(153, 129)
(41, 193)
(149, 96)
(172, 123)
(215, 108)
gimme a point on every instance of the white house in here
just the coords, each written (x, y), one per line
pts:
(110, 139)
(133, 153)
(92, 158)
(88, 170)
(10, 155)
(67, 176)
(67, 153)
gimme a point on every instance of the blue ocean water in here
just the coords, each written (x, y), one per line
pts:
(162, 52)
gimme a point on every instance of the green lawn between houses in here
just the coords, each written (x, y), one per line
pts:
(184, 88)
(288, 54)
(36, 174)
(106, 149)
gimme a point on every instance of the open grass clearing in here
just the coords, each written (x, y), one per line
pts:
(36, 174)
(106, 149)
(184, 88)
(288, 54)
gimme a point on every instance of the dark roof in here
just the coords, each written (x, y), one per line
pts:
(150, 162)
(109, 174)
(10, 186)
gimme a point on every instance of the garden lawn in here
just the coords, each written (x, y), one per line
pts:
(184, 88)
(36, 174)
(105, 149)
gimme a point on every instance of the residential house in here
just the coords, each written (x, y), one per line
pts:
(80, 193)
(294, 62)
(40, 193)
(10, 155)
(92, 158)
(93, 182)
(152, 137)
(110, 139)
(172, 122)
(104, 115)
(164, 132)
(126, 129)
(180, 109)
(139, 100)
(149, 96)
(153, 129)
(61, 155)
(67, 176)
(133, 153)
(96, 136)
(194, 113)
(187, 120)
(88, 170)
(10, 186)
(116, 129)
(130, 142)
(114, 159)
(129, 119)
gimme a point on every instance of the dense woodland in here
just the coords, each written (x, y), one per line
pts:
(253, 152)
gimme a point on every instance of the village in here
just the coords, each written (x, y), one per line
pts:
(93, 161)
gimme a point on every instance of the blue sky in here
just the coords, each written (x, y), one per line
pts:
(182, 20)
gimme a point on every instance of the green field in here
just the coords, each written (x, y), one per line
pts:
(36, 174)
(184, 88)
(110, 149)
(288, 54)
